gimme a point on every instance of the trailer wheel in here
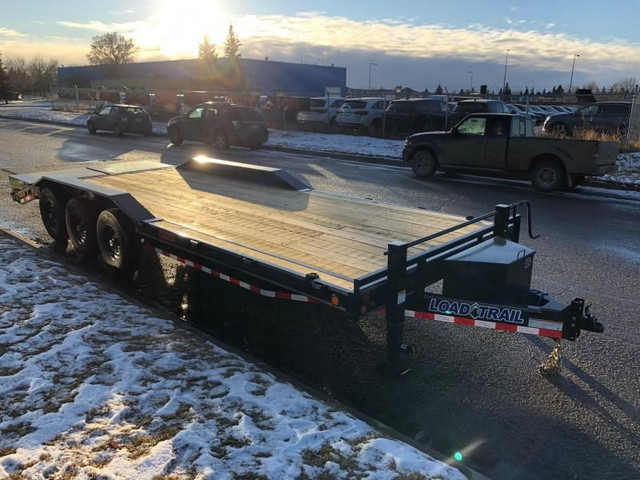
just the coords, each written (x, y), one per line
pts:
(52, 213)
(423, 163)
(220, 140)
(114, 239)
(80, 220)
(547, 176)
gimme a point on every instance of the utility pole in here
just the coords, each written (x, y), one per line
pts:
(371, 64)
(572, 69)
(504, 79)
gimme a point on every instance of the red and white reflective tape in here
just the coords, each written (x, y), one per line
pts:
(542, 328)
(252, 288)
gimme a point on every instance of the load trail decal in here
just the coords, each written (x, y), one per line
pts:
(486, 316)
(476, 311)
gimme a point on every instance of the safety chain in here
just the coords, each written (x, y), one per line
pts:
(553, 363)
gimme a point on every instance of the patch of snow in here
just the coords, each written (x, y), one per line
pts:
(94, 386)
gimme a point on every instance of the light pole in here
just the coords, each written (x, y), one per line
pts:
(573, 67)
(504, 79)
(470, 72)
(371, 64)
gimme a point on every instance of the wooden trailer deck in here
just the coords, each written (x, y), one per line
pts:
(340, 238)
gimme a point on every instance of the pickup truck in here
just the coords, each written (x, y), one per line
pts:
(503, 145)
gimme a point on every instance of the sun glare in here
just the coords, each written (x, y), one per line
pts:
(177, 28)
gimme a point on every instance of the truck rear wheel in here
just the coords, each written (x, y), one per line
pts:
(52, 214)
(220, 140)
(547, 176)
(80, 220)
(113, 233)
(423, 163)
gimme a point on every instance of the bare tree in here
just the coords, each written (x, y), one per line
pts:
(232, 44)
(111, 49)
(5, 83)
(18, 74)
(207, 50)
(625, 85)
(43, 74)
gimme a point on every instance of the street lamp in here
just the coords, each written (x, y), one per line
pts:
(504, 79)
(573, 67)
(470, 72)
(371, 64)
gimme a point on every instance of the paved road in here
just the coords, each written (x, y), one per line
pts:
(469, 389)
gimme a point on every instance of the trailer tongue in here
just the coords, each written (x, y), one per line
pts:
(266, 232)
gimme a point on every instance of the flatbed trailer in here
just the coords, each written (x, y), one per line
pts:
(268, 232)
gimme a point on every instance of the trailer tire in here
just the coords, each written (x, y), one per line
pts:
(423, 163)
(113, 234)
(52, 214)
(80, 219)
(547, 176)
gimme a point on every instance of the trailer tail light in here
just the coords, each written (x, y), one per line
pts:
(335, 300)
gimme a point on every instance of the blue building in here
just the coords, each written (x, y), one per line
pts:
(219, 75)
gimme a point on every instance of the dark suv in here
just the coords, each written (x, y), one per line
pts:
(120, 119)
(465, 107)
(413, 115)
(221, 125)
(605, 117)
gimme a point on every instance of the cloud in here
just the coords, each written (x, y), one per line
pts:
(8, 32)
(98, 26)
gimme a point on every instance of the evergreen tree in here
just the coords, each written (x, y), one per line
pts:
(206, 49)
(559, 90)
(439, 90)
(5, 83)
(232, 44)
(526, 91)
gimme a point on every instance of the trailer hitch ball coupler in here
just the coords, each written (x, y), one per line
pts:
(584, 318)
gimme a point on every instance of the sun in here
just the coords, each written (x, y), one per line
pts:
(176, 29)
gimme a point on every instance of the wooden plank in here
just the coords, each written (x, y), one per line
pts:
(340, 236)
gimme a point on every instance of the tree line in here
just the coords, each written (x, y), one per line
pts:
(20, 75)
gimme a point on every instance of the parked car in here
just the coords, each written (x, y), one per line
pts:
(322, 113)
(120, 118)
(604, 117)
(220, 124)
(363, 114)
(413, 115)
(481, 105)
(539, 114)
(516, 110)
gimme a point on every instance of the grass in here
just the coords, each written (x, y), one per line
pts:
(587, 134)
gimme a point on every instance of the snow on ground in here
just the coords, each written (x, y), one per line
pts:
(93, 386)
(628, 163)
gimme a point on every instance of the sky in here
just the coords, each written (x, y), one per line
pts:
(456, 44)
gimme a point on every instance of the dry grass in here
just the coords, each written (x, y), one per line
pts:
(587, 134)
